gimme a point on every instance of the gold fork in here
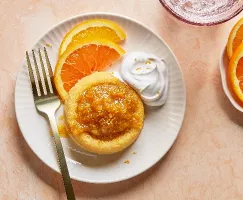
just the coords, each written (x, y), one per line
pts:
(47, 102)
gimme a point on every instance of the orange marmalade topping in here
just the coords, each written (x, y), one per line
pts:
(107, 110)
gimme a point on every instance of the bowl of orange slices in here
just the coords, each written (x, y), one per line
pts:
(231, 66)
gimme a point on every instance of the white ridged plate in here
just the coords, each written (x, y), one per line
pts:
(161, 126)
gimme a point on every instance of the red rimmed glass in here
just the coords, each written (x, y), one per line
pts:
(203, 12)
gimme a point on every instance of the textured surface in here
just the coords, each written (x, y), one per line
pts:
(206, 162)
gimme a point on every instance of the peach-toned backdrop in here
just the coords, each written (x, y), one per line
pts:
(206, 161)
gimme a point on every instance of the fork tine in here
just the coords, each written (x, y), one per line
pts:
(50, 70)
(48, 63)
(44, 73)
(31, 75)
(38, 74)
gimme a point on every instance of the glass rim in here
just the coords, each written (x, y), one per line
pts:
(164, 4)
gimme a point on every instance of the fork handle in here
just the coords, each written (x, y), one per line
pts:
(61, 159)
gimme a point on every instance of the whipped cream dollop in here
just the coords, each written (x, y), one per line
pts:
(148, 75)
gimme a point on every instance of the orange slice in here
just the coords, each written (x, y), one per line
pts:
(92, 29)
(82, 59)
(235, 73)
(235, 38)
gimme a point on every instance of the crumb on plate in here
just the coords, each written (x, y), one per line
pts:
(48, 45)
(61, 117)
(127, 162)
(148, 62)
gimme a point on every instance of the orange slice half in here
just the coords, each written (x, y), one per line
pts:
(235, 73)
(82, 59)
(92, 29)
(235, 38)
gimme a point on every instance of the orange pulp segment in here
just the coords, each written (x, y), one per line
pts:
(235, 38)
